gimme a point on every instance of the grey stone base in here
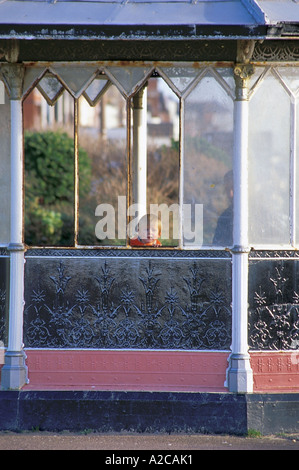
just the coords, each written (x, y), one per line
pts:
(14, 373)
(240, 377)
(152, 412)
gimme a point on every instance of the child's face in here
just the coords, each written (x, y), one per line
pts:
(148, 233)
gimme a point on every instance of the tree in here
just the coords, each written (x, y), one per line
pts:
(49, 187)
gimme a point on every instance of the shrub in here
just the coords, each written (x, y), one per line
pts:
(49, 187)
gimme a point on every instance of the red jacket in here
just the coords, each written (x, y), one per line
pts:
(137, 242)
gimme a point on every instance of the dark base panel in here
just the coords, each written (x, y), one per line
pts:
(148, 412)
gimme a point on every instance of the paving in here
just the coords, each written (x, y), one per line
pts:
(118, 443)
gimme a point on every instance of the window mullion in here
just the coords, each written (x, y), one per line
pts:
(293, 172)
(129, 167)
(76, 172)
(181, 170)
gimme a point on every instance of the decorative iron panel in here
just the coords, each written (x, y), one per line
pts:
(135, 303)
(273, 50)
(85, 50)
(273, 303)
(276, 51)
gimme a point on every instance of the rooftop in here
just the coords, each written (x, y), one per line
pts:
(102, 19)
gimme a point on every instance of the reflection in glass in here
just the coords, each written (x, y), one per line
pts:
(268, 172)
(208, 151)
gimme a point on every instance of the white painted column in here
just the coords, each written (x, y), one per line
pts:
(140, 150)
(240, 378)
(14, 371)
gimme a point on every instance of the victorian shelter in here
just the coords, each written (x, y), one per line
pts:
(109, 111)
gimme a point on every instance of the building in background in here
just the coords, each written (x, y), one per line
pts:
(191, 106)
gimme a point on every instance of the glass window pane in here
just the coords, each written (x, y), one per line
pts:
(96, 89)
(208, 151)
(50, 87)
(180, 78)
(102, 170)
(257, 75)
(128, 78)
(227, 74)
(76, 78)
(155, 161)
(291, 77)
(49, 171)
(269, 154)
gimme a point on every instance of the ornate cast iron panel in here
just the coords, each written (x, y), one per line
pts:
(276, 51)
(136, 302)
(274, 303)
(169, 50)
